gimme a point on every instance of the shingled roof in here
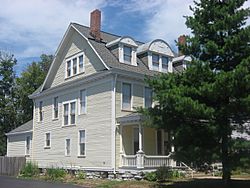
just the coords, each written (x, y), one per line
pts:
(26, 127)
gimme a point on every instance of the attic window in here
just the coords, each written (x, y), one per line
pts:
(74, 65)
(164, 64)
(127, 54)
(155, 62)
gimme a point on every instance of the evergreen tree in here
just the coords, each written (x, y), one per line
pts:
(205, 103)
(7, 97)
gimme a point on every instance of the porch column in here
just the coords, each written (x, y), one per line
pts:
(140, 153)
(121, 146)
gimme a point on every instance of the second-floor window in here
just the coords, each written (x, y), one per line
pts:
(47, 140)
(126, 96)
(148, 97)
(83, 107)
(69, 113)
(74, 65)
(55, 108)
(127, 54)
(155, 62)
(164, 61)
(41, 111)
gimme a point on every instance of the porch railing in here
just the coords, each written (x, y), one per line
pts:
(149, 161)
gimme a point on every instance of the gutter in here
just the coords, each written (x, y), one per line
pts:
(21, 132)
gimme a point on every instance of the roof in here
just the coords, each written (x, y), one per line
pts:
(26, 127)
(130, 118)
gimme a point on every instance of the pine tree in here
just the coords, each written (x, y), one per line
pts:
(205, 103)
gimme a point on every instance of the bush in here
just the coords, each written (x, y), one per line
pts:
(163, 173)
(81, 175)
(30, 170)
(150, 176)
(55, 174)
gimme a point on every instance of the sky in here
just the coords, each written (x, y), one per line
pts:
(29, 28)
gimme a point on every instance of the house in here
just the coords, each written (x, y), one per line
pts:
(84, 112)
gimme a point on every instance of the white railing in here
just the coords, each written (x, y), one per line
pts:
(157, 161)
(129, 160)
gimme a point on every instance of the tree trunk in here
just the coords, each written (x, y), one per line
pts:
(225, 154)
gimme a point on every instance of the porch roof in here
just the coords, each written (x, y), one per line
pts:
(130, 119)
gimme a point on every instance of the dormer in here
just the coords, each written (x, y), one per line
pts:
(125, 50)
(157, 54)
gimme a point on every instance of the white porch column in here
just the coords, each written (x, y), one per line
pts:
(121, 146)
(140, 153)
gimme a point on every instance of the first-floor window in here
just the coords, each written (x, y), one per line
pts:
(67, 148)
(82, 142)
(47, 140)
(27, 149)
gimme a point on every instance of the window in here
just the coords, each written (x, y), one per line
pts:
(127, 54)
(68, 68)
(83, 101)
(82, 142)
(155, 62)
(148, 97)
(75, 65)
(81, 64)
(67, 147)
(164, 61)
(47, 140)
(72, 113)
(66, 114)
(69, 113)
(126, 96)
(55, 106)
(41, 111)
(27, 144)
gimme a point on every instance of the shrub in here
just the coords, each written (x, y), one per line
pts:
(30, 170)
(55, 174)
(81, 175)
(150, 176)
(163, 173)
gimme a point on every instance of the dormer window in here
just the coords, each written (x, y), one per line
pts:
(127, 54)
(155, 62)
(74, 65)
(164, 61)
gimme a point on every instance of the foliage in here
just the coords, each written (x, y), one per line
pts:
(163, 173)
(211, 98)
(150, 176)
(30, 170)
(7, 97)
(54, 174)
(81, 175)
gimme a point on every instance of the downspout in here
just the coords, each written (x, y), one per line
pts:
(113, 127)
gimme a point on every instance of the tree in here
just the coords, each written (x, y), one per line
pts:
(29, 81)
(7, 97)
(205, 103)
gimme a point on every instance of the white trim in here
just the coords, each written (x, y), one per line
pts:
(69, 110)
(22, 132)
(113, 120)
(78, 143)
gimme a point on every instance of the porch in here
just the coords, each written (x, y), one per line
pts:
(143, 147)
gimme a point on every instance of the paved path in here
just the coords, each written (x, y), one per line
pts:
(11, 182)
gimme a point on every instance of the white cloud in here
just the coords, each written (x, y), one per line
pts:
(35, 26)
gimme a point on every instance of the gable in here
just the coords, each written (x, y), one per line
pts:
(72, 45)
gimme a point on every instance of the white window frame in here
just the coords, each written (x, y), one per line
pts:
(53, 108)
(131, 55)
(131, 103)
(79, 104)
(45, 140)
(79, 155)
(27, 153)
(150, 61)
(40, 111)
(66, 148)
(164, 70)
(153, 67)
(69, 115)
(144, 96)
(70, 59)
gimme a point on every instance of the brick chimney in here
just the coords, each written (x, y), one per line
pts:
(95, 24)
(181, 41)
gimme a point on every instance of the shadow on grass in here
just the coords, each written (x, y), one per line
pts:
(207, 183)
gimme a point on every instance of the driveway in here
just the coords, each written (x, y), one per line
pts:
(11, 182)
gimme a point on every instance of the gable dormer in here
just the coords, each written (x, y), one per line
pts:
(124, 48)
(157, 54)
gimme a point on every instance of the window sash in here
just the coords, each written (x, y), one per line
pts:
(72, 113)
(82, 142)
(81, 63)
(69, 68)
(164, 61)
(67, 147)
(127, 51)
(82, 101)
(40, 111)
(148, 100)
(27, 145)
(155, 61)
(47, 140)
(56, 107)
(126, 96)
(66, 114)
(74, 66)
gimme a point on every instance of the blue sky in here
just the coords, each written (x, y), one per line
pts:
(32, 27)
